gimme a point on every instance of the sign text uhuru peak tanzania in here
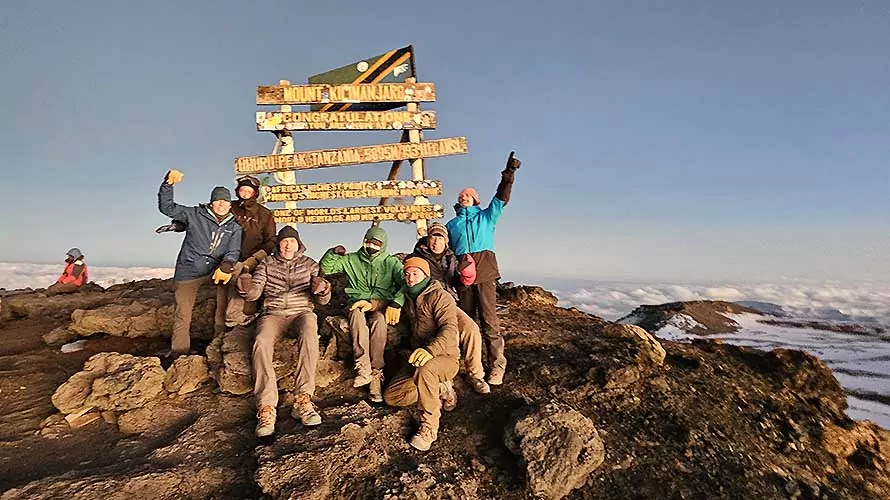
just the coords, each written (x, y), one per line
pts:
(351, 156)
(346, 93)
(358, 214)
(366, 189)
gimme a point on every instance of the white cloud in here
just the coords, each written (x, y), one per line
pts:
(612, 300)
(15, 275)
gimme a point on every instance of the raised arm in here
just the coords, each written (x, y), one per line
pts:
(165, 197)
(334, 260)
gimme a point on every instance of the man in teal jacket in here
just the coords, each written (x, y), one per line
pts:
(471, 237)
(376, 299)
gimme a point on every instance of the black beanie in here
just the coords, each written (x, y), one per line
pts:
(288, 232)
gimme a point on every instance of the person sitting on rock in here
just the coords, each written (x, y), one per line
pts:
(258, 240)
(443, 265)
(209, 251)
(471, 236)
(73, 277)
(290, 285)
(426, 380)
(376, 299)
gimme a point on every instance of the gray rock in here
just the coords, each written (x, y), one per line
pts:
(186, 374)
(111, 382)
(559, 446)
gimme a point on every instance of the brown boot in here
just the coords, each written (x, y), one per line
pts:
(305, 410)
(376, 389)
(424, 438)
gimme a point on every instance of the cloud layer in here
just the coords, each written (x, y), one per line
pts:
(15, 275)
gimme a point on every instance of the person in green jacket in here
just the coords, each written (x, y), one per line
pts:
(376, 297)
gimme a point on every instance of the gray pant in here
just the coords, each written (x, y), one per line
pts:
(185, 293)
(368, 337)
(271, 329)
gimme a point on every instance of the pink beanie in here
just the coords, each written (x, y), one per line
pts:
(473, 194)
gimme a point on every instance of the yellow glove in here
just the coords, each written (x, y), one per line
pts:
(362, 305)
(219, 276)
(174, 176)
(392, 315)
(420, 357)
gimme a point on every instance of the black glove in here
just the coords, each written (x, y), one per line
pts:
(227, 267)
(512, 163)
(175, 226)
(319, 286)
(339, 250)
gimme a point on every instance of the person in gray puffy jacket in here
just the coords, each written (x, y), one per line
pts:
(209, 251)
(289, 282)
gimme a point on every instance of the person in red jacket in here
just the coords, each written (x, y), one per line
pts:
(73, 277)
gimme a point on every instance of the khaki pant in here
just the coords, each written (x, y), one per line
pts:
(368, 332)
(239, 312)
(421, 386)
(271, 329)
(471, 350)
(483, 297)
(60, 288)
(185, 293)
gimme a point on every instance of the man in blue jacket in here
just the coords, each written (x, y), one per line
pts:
(471, 237)
(209, 250)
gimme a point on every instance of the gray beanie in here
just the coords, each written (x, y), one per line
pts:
(220, 193)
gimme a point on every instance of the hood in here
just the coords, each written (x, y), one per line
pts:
(290, 232)
(422, 248)
(377, 234)
(75, 253)
(470, 211)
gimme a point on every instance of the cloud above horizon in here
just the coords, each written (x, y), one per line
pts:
(16, 275)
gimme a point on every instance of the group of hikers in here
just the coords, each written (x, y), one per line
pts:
(266, 276)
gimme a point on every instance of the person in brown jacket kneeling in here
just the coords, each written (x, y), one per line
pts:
(290, 283)
(426, 381)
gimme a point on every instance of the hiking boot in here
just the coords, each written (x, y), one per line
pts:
(496, 377)
(265, 425)
(424, 438)
(305, 410)
(448, 396)
(376, 389)
(480, 386)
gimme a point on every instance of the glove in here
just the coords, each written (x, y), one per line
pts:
(251, 262)
(173, 177)
(339, 250)
(420, 357)
(244, 282)
(392, 315)
(227, 267)
(175, 226)
(219, 276)
(319, 286)
(512, 163)
(362, 305)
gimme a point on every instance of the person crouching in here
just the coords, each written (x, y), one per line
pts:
(426, 380)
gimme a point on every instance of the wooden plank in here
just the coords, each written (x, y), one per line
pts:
(350, 156)
(358, 214)
(346, 93)
(361, 189)
(270, 121)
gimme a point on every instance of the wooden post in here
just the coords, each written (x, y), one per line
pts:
(417, 170)
(284, 144)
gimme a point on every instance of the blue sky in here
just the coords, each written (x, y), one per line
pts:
(686, 140)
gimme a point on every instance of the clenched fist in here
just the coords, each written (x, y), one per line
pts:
(173, 177)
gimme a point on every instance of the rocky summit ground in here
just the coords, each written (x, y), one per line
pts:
(590, 409)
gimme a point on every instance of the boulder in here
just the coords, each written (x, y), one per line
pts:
(147, 317)
(228, 357)
(559, 447)
(642, 354)
(111, 382)
(525, 295)
(186, 374)
(34, 304)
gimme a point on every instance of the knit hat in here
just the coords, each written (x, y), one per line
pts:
(438, 228)
(288, 232)
(473, 194)
(419, 263)
(220, 193)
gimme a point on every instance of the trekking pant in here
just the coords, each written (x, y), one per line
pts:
(185, 293)
(270, 329)
(368, 337)
(483, 297)
(239, 312)
(60, 288)
(471, 349)
(421, 386)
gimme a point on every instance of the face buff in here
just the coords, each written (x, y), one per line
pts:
(372, 246)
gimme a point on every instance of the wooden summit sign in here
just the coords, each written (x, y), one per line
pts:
(269, 121)
(358, 214)
(346, 93)
(351, 156)
(367, 189)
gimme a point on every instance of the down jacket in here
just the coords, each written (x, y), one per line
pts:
(285, 284)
